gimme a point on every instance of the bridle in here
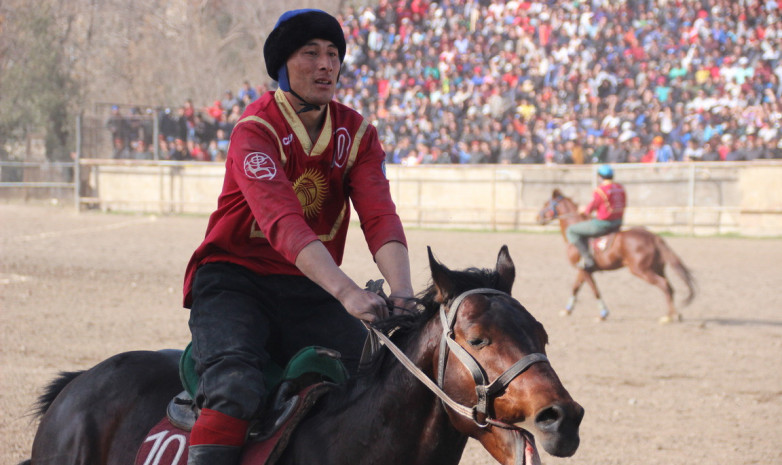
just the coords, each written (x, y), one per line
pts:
(552, 207)
(487, 392)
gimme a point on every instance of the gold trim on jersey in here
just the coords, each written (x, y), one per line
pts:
(606, 201)
(255, 232)
(298, 127)
(262, 121)
(336, 226)
(356, 143)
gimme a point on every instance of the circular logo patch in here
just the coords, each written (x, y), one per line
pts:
(260, 166)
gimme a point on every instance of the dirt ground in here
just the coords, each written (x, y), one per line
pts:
(78, 288)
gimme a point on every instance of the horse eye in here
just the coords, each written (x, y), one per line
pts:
(479, 342)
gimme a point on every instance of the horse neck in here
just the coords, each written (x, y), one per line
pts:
(389, 418)
(569, 217)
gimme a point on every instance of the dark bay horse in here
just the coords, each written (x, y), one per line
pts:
(468, 331)
(644, 253)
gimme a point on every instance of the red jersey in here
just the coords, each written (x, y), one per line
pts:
(609, 201)
(281, 191)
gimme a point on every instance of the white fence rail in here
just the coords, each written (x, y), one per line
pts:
(33, 180)
(681, 198)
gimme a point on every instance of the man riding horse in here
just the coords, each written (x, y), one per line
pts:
(608, 201)
(266, 280)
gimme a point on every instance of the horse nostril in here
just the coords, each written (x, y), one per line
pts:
(560, 417)
(549, 419)
(558, 424)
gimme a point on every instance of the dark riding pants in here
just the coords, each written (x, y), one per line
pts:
(240, 321)
(579, 233)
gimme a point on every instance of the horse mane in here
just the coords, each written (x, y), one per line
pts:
(464, 280)
(568, 199)
(404, 326)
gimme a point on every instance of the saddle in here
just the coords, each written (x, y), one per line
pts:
(309, 375)
(602, 243)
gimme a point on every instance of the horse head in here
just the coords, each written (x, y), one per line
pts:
(549, 212)
(492, 357)
(558, 207)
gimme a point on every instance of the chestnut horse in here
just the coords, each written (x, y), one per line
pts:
(644, 253)
(416, 403)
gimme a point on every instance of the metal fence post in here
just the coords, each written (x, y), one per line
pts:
(691, 200)
(156, 133)
(77, 165)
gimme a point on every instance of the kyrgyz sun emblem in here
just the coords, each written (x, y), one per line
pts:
(311, 189)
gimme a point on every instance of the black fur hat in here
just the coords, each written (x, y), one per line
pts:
(294, 29)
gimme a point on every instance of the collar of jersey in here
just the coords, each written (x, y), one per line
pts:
(298, 127)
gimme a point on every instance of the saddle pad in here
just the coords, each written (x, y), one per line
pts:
(166, 444)
(599, 243)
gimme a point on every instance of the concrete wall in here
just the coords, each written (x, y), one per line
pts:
(704, 198)
(159, 188)
(760, 188)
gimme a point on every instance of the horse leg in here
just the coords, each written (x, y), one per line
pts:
(601, 306)
(658, 279)
(571, 303)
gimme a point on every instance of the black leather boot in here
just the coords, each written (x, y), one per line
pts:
(213, 454)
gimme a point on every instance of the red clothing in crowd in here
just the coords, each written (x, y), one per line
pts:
(274, 184)
(216, 112)
(609, 201)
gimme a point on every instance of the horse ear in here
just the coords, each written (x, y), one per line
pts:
(440, 277)
(506, 270)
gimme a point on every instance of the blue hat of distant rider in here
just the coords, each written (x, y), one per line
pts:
(292, 31)
(605, 171)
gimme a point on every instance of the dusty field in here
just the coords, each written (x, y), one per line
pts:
(77, 288)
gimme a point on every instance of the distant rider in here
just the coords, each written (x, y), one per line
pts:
(608, 201)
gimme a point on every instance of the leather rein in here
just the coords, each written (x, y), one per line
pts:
(487, 392)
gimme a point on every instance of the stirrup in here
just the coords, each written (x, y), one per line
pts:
(182, 412)
(281, 408)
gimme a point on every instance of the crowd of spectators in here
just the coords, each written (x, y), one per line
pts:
(189, 133)
(556, 82)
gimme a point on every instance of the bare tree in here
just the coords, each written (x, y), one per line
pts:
(141, 52)
(36, 88)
